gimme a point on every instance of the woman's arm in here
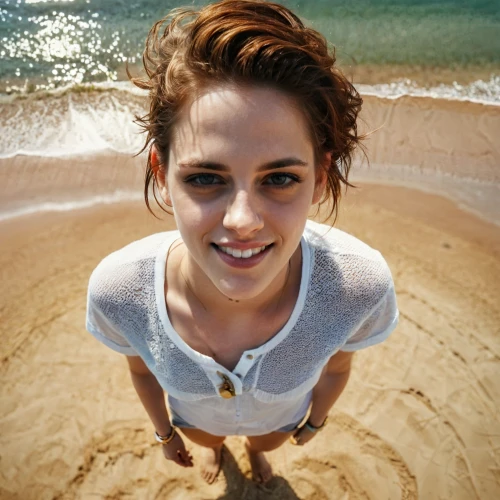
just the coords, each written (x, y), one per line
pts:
(326, 391)
(150, 393)
(152, 398)
(330, 386)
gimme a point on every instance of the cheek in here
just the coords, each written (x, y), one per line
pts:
(296, 208)
(289, 219)
(193, 219)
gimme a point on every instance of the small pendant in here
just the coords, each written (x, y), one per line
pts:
(226, 389)
(225, 393)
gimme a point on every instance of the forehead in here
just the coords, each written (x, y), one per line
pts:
(244, 122)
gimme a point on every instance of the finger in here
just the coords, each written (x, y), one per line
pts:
(185, 457)
(179, 461)
(184, 454)
(173, 457)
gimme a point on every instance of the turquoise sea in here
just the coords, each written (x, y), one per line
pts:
(49, 43)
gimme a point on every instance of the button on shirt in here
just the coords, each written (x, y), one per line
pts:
(242, 414)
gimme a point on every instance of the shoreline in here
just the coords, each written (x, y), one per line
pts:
(424, 76)
(476, 91)
(359, 74)
(439, 146)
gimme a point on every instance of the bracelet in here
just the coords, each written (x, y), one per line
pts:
(315, 429)
(166, 439)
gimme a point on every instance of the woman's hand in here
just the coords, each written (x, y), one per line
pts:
(176, 451)
(302, 436)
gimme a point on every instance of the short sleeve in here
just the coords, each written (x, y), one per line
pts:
(103, 329)
(379, 324)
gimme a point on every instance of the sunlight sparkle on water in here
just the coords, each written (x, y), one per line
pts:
(46, 1)
(62, 39)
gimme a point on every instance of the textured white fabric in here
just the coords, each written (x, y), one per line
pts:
(346, 302)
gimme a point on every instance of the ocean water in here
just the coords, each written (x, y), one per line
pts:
(61, 46)
(49, 43)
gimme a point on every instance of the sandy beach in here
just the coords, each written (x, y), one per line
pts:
(419, 417)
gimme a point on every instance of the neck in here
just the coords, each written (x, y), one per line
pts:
(197, 285)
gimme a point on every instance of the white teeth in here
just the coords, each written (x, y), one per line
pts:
(242, 254)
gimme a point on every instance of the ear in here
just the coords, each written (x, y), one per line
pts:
(160, 173)
(321, 178)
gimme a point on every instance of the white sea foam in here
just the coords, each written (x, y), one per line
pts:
(478, 91)
(117, 196)
(63, 122)
(72, 124)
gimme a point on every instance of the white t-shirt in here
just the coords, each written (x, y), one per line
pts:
(346, 302)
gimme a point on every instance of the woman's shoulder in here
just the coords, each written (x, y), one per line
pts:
(132, 265)
(344, 259)
(335, 241)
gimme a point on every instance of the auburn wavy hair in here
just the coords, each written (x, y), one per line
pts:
(249, 42)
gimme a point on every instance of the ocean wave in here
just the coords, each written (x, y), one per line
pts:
(479, 91)
(108, 199)
(487, 92)
(87, 119)
(72, 121)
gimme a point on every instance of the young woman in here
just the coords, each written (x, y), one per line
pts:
(248, 315)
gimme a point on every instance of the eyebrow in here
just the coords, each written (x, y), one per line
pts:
(272, 165)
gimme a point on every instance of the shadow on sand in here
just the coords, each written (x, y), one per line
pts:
(240, 487)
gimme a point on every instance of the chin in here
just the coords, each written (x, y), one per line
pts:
(236, 290)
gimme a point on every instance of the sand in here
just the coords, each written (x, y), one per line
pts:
(418, 419)
(419, 413)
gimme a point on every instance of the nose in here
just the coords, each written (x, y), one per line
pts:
(242, 215)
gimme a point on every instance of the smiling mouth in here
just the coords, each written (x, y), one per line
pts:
(241, 254)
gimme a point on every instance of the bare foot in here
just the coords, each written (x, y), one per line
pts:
(261, 468)
(211, 460)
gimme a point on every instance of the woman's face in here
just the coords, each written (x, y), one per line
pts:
(241, 179)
